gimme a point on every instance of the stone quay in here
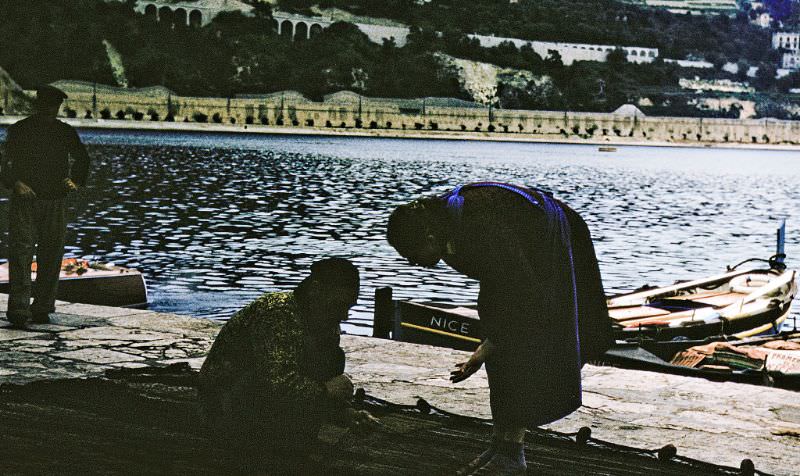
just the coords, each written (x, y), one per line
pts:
(721, 423)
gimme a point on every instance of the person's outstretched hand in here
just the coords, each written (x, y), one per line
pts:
(464, 370)
(340, 387)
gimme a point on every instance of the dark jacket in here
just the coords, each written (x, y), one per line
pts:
(268, 342)
(38, 150)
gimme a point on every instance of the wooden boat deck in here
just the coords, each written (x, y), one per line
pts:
(632, 316)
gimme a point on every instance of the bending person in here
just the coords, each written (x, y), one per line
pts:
(276, 372)
(541, 302)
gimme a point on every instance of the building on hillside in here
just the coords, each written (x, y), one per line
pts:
(201, 12)
(571, 52)
(789, 43)
(703, 7)
(791, 61)
(786, 40)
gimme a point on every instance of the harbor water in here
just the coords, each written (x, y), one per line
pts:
(214, 220)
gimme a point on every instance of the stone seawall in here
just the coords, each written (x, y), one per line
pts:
(351, 111)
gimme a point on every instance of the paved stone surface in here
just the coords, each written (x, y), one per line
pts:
(84, 341)
(99, 356)
(717, 422)
(12, 334)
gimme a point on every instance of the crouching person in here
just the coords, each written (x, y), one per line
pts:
(276, 372)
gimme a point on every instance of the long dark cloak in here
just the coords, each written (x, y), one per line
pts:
(541, 300)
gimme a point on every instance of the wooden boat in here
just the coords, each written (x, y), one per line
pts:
(604, 148)
(736, 304)
(93, 283)
(733, 305)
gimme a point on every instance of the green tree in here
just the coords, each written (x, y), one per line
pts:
(765, 76)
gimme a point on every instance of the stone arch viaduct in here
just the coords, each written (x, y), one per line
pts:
(298, 27)
(187, 13)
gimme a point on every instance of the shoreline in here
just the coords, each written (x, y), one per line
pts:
(629, 407)
(257, 129)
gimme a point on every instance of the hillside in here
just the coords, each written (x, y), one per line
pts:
(12, 98)
(235, 54)
(577, 21)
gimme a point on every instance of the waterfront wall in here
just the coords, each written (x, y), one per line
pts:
(350, 111)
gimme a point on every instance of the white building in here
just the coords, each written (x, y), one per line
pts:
(790, 61)
(705, 7)
(294, 26)
(571, 52)
(786, 40)
(790, 43)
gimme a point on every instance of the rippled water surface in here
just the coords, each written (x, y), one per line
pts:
(214, 220)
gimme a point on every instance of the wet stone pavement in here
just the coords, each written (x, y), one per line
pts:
(721, 423)
(85, 341)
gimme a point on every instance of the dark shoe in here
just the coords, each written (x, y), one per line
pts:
(18, 319)
(473, 465)
(40, 318)
(502, 465)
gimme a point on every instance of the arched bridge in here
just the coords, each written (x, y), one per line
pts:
(298, 27)
(188, 13)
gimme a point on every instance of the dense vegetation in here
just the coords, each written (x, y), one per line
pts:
(583, 21)
(234, 54)
(44, 41)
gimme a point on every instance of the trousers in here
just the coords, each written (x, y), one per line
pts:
(35, 227)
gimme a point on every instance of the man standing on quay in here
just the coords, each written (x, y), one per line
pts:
(36, 169)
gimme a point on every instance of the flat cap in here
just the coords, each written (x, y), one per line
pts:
(47, 94)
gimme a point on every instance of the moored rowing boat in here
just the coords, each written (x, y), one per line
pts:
(93, 283)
